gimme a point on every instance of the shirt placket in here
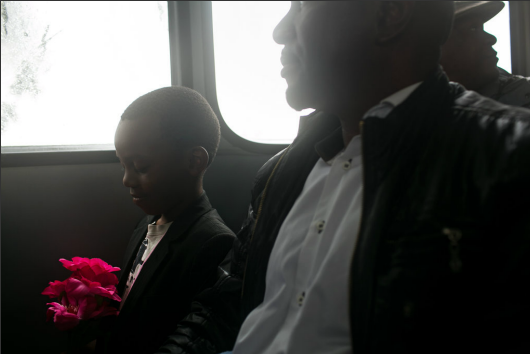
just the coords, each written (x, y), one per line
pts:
(318, 236)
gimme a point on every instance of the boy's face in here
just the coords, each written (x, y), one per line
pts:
(155, 171)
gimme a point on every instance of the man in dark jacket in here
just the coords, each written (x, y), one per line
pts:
(398, 219)
(469, 58)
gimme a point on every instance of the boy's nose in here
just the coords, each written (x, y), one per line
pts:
(129, 180)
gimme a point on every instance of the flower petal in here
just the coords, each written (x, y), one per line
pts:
(113, 269)
(54, 289)
(75, 290)
(104, 265)
(98, 269)
(87, 272)
(87, 306)
(52, 310)
(81, 260)
(110, 292)
(68, 264)
(76, 263)
(106, 279)
(63, 319)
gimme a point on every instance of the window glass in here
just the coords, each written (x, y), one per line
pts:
(499, 26)
(250, 90)
(69, 68)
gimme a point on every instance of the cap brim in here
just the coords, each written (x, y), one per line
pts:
(485, 9)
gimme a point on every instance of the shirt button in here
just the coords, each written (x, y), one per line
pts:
(347, 165)
(320, 226)
(301, 298)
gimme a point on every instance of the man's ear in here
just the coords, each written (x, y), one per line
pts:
(198, 160)
(392, 19)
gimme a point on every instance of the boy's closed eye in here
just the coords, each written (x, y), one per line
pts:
(141, 169)
(141, 166)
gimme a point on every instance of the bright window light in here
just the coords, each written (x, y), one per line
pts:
(250, 90)
(499, 26)
(70, 68)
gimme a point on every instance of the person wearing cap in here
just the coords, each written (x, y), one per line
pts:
(469, 58)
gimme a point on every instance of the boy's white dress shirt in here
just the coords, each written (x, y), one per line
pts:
(153, 237)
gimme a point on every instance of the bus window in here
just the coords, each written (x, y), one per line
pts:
(499, 26)
(250, 90)
(69, 69)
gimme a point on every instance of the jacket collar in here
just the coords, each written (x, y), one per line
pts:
(176, 232)
(414, 118)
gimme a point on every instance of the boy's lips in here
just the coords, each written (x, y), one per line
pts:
(137, 198)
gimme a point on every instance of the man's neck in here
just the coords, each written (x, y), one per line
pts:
(352, 117)
(351, 113)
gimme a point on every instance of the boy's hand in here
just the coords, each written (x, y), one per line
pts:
(89, 348)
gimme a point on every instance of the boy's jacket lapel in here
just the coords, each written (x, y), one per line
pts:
(176, 231)
(130, 253)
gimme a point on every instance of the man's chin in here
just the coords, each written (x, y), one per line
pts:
(297, 98)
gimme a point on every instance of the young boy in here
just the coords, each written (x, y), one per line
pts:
(165, 141)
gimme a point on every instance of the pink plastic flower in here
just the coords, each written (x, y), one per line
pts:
(68, 316)
(93, 269)
(85, 294)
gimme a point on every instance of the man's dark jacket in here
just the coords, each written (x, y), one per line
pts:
(442, 259)
(165, 305)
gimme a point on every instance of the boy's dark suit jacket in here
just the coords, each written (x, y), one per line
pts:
(183, 263)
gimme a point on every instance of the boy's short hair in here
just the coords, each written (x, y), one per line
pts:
(184, 115)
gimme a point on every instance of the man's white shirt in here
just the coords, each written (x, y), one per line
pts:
(305, 307)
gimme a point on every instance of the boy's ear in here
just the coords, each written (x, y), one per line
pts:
(198, 160)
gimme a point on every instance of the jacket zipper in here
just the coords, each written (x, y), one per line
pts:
(260, 207)
(454, 236)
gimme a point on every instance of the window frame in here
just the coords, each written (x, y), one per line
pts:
(193, 65)
(24, 156)
(195, 68)
(520, 37)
